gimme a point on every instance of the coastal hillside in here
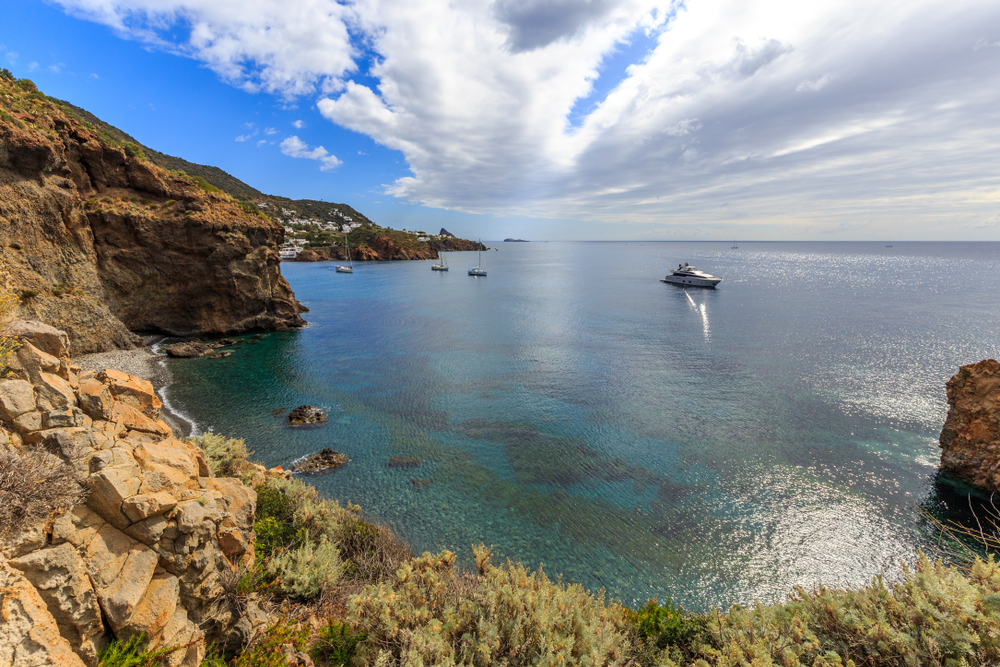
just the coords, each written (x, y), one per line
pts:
(102, 243)
(317, 225)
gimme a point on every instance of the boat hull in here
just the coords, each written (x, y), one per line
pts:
(439, 268)
(477, 272)
(345, 269)
(691, 281)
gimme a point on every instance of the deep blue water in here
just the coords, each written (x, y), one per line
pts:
(715, 446)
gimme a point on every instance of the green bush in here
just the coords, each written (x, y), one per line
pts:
(432, 615)
(26, 84)
(337, 644)
(308, 570)
(227, 457)
(269, 650)
(203, 184)
(133, 150)
(133, 653)
(274, 523)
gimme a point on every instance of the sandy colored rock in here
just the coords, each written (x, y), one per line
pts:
(177, 454)
(29, 635)
(145, 505)
(16, 398)
(95, 399)
(60, 576)
(156, 608)
(77, 526)
(970, 439)
(133, 391)
(120, 569)
(108, 490)
(48, 339)
(65, 418)
(134, 420)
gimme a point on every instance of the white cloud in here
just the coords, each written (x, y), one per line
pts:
(247, 137)
(270, 130)
(286, 48)
(295, 147)
(299, 124)
(787, 111)
(261, 143)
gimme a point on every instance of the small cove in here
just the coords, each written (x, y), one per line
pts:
(716, 446)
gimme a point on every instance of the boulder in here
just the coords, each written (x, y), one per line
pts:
(29, 635)
(306, 414)
(60, 576)
(16, 398)
(188, 349)
(145, 505)
(324, 461)
(133, 391)
(121, 570)
(970, 439)
(46, 338)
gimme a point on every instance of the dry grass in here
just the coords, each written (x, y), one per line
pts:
(33, 485)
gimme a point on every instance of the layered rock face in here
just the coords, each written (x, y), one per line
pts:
(101, 243)
(970, 439)
(146, 552)
(383, 248)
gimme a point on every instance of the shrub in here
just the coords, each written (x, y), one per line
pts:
(8, 307)
(133, 150)
(203, 184)
(227, 457)
(308, 570)
(6, 75)
(133, 653)
(33, 485)
(270, 649)
(26, 84)
(337, 644)
(372, 552)
(310, 512)
(432, 615)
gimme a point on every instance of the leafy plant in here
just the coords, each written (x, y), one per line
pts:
(337, 644)
(308, 570)
(227, 457)
(269, 650)
(133, 653)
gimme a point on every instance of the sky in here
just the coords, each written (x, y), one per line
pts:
(559, 119)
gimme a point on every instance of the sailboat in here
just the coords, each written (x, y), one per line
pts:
(443, 266)
(735, 246)
(346, 269)
(479, 271)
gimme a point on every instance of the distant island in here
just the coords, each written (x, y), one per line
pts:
(515, 241)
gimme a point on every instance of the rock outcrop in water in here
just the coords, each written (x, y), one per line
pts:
(148, 549)
(102, 243)
(970, 439)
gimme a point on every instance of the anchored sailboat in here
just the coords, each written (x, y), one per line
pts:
(443, 266)
(346, 269)
(477, 271)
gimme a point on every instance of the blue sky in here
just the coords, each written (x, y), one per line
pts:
(558, 119)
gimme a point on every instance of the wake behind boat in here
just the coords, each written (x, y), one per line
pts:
(688, 275)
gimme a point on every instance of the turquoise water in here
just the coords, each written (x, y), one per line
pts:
(715, 446)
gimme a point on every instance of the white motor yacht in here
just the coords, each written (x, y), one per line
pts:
(688, 275)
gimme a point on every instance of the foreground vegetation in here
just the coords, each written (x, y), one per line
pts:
(372, 603)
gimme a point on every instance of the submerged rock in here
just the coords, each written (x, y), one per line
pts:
(306, 414)
(324, 461)
(420, 483)
(970, 439)
(221, 355)
(403, 462)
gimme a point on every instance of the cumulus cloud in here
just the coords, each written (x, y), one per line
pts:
(270, 130)
(286, 48)
(295, 147)
(784, 110)
(299, 124)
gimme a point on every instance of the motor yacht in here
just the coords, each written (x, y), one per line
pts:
(688, 275)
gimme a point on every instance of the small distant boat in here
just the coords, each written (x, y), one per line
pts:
(735, 246)
(688, 275)
(346, 269)
(888, 245)
(477, 271)
(443, 266)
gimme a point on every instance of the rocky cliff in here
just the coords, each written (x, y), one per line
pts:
(149, 549)
(387, 246)
(101, 243)
(970, 439)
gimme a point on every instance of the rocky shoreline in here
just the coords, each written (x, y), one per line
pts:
(142, 362)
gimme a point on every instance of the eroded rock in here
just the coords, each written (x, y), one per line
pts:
(970, 439)
(307, 414)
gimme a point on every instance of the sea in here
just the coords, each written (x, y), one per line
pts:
(710, 446)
